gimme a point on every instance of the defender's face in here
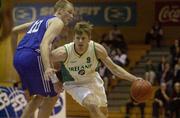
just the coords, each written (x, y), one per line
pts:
(81, 41)
(67, 14)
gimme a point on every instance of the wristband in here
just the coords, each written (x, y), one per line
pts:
(54, 79)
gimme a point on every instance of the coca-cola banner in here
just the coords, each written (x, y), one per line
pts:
(168, 13)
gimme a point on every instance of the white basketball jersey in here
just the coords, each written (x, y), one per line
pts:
(84, 66)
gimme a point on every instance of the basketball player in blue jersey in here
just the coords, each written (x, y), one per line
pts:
(80, 60)
(31, 58)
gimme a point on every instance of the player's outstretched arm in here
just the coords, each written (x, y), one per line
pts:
(14, 34)
(22, 27)
(54, 28)
(114, 68)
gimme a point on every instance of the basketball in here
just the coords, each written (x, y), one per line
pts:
(141, 90)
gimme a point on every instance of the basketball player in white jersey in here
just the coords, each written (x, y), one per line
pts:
(80, 60)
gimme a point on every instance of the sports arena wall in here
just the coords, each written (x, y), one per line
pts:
(145, 17)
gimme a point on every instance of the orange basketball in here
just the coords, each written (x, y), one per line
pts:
(141, 90)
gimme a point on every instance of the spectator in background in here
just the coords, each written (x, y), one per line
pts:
(115, 32)
(105, 74)
(105, 38)
(167, 77)
(177, 72)
(174, 51)
(132, 104)
(156, 33)
(175, 56)
(119, 42)
(174, 46)
(150, 71)
(120, 58)
(116, 38)
(161, 67)
(167, 74)
(161, 101)
(175, 103)
(113, 53)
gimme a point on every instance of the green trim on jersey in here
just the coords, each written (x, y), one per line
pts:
(65, 74)
(95, 50)
(66, 53)
(97, 67)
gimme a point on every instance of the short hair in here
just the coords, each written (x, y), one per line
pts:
(83, 27)
(61, 4)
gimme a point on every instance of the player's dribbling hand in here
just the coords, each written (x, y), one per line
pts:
(58, 87)
(138, 78)
(49, 73)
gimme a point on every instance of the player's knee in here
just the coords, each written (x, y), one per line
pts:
(91, 102)
(50, 101)
(90, 99)
(105, 111)
(92, 107)
(37, 99)
(27, 95)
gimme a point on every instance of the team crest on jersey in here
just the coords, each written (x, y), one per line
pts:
(81, 72)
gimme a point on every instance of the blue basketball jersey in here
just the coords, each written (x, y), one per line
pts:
(34, 35)
(28, 61)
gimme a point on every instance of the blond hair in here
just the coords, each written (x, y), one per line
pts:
(83, 27)
(61, 4)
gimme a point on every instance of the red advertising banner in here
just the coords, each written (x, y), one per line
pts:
(168, 13)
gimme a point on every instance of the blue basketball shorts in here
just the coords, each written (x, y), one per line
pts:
(28, 64)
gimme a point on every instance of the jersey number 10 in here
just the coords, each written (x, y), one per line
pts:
(35, 27)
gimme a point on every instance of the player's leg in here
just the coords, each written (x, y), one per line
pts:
(100, 99)
(47, 106)
(31, 106)
(28, 98)
(30, 68)
(21, 64)
(90, 103)
(86, 98)
(105, 111)
(46, 89)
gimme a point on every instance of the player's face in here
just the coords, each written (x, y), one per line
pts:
(81, 42)
(67, 13)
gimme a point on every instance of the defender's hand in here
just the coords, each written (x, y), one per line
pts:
(49, 73)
